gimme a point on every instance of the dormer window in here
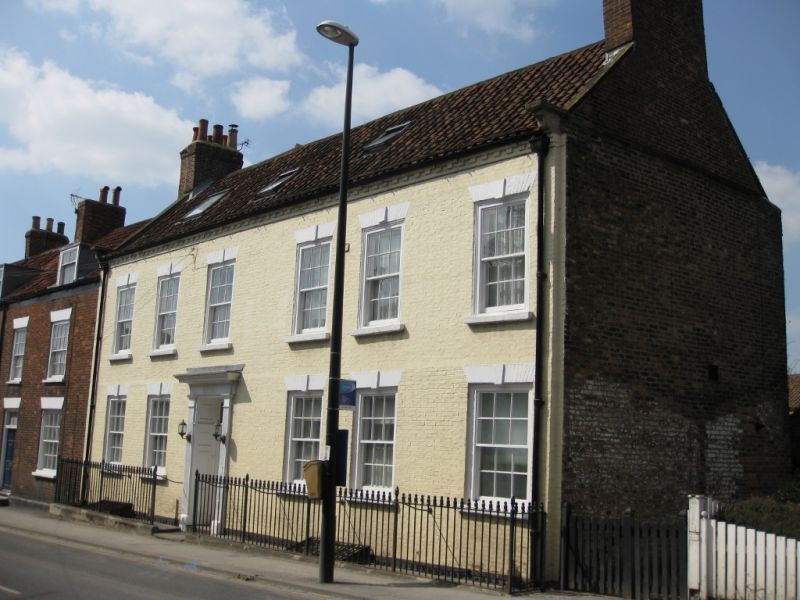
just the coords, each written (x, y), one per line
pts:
(205, 204)
(384, 139)
(68, 266)
(272, 187)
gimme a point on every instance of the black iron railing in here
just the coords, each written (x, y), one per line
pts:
(121, 490)
(498, 545)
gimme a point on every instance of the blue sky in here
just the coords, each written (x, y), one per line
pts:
(105, 92)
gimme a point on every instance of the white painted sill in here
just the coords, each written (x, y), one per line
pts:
(120, 357)
(216, 347)
(500, 317)
(54, 379)
(44, 473)
(314, 336)
(164, 352)
(161, 474)
(14, 382)
(378, 330)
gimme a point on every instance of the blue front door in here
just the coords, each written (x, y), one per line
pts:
(8, 457)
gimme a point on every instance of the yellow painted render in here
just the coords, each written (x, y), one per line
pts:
(436, 295)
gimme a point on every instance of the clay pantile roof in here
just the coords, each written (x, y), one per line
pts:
(46, 263)
(794, 392)
(114, 239)
(483, 115)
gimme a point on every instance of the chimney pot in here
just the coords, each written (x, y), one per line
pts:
(37, 223)
(115, 197)
(194, 133)
(60, 228)
(232, 135)
(209, 138)
(202, 132)
(217, 139)
(49, 226)
(104, 194)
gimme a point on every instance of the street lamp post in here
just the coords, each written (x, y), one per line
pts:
(341, 35)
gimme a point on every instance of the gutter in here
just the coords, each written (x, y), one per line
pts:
(98, 339)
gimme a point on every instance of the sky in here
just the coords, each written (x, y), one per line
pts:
(106, 92)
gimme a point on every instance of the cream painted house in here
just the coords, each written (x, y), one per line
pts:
(561, 284)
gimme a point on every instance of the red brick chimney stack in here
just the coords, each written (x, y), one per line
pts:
(38, 240)
(208, 157)
(97, 218)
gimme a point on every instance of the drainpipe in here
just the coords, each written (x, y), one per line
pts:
(540, 144)
(98, 339)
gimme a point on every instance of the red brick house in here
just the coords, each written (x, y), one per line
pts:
(49, 310)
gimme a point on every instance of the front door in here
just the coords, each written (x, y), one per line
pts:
(8, 456)
(205, 458)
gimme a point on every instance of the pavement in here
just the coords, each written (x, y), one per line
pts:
(282, 572)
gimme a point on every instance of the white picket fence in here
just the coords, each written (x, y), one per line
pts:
(728, 562)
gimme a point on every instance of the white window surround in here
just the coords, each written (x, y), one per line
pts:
(220, 256)
(157, 427)
(116, 404)
(123, 322)
(51, 420)
(303, 432)
(305, 383)
(373, 443)
(486, 196)
(372, 380)
(68, 265)
(18, 345)
(310, 240)
(219, 306)
(511, 377)
(166, 305)
(11, 403)
(500, 374)
(59, 319)
(500, 441)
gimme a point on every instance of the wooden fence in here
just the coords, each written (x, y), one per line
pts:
(624, 556)
(730, 562)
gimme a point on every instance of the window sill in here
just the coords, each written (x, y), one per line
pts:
(14, 382)
(378, 330)
(120, 357)
(54, 379)
(164, 352)
(507, 317)
(216, 347)
(302, 338)
(44, 473)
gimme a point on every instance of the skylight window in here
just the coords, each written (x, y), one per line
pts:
(271, 187)
(384, 139)
(199, 189)
(205, 204)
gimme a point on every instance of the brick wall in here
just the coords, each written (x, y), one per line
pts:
(675, 361)
(74, 389)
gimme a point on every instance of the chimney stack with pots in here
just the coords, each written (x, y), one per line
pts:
(208, 157)
(37, 240)
(97, 218)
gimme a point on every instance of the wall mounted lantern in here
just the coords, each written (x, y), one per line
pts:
(218, 435)
(182, 431)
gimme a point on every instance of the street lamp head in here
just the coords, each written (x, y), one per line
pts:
(336, 32)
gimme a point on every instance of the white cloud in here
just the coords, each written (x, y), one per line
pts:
(514, 18)
(67, 6)
(58, 122)
(783, 188)
(67, 35)
(202, 38)
(260, 98)
(375, 94)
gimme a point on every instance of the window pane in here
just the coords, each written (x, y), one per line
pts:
(306, 412)
(502, 254)
(376, 440)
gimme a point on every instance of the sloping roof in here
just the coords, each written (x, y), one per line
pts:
(483, 115)
(44, 265)
(794, 392)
